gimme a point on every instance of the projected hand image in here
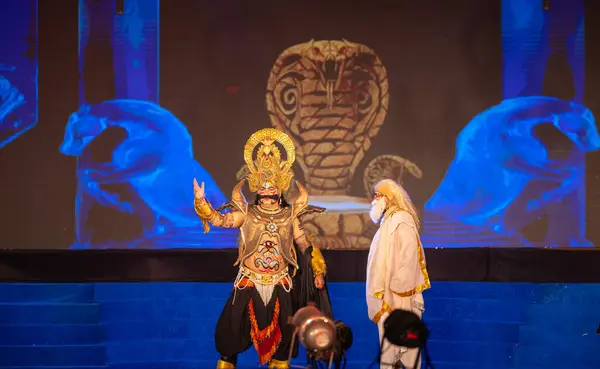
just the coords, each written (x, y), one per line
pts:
(18, 69)
(502, 177)
(10, 100)
(146, 173)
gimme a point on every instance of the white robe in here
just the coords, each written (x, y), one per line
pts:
(396, 276)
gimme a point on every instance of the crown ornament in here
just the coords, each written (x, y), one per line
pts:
(263, 159)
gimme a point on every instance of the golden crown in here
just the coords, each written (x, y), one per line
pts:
(268, 169)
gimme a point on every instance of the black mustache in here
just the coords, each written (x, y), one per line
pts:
(272, 197)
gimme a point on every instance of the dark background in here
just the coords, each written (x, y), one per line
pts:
(443, 60)
(432, 92)
(37, 194)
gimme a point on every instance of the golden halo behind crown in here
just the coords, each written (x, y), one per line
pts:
(267, 169)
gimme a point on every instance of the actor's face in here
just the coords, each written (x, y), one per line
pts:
(268, 195)
(378, 206)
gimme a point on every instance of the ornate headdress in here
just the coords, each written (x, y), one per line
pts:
(268, 169)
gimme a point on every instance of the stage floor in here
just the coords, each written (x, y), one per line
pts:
(170, 325)
(489, 308)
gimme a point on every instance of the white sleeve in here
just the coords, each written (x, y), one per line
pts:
(409, 273)
(376, 279)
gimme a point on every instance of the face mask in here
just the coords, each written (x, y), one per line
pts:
(377, 209)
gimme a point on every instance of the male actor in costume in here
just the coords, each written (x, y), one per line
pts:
(396, 270)
(273, 249)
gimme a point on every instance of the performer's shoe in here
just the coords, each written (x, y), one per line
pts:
(221, 364)
(276, 364)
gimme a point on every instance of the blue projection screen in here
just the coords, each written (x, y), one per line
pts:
(486, 129)
(503, 176)
(18, 69)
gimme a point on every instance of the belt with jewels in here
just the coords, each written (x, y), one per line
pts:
(263, 279)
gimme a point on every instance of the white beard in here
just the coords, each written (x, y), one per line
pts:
(377, 210)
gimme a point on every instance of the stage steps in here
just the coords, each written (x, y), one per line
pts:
(472, 326)
(171, 325)
(161, 325)
(566, 318)
(50, 326)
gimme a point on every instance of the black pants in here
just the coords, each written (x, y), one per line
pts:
(232, 335)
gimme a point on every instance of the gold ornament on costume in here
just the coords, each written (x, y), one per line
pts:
(267, 169)
(290, 194)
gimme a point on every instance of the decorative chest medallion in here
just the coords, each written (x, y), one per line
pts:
(271, 227)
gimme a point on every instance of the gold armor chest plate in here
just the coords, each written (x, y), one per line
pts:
(262, 228)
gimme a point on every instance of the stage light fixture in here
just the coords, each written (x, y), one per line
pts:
(343, 342)
(315, 331)
(406, 329)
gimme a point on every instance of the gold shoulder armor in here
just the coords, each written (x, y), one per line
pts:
(238, 200)
(301, 201)
(301, 207)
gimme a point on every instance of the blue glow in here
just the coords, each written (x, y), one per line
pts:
(525, 47)
(84, 35)
(136, 50)
(135, 38)
(154, 163)
(519, 179)
(529, 39)
(171, 325)
(502, 177)
(18, 69)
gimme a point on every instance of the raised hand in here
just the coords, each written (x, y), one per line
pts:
(199, 193)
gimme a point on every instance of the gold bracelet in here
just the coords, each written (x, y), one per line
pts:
(205, 212)
(203, 209)
(318, 262)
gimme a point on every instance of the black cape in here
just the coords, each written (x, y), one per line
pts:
(304, 291)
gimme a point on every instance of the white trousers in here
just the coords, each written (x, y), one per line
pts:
(392, 354)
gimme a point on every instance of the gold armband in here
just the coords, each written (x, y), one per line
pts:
(318, 262)
(205, 212)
